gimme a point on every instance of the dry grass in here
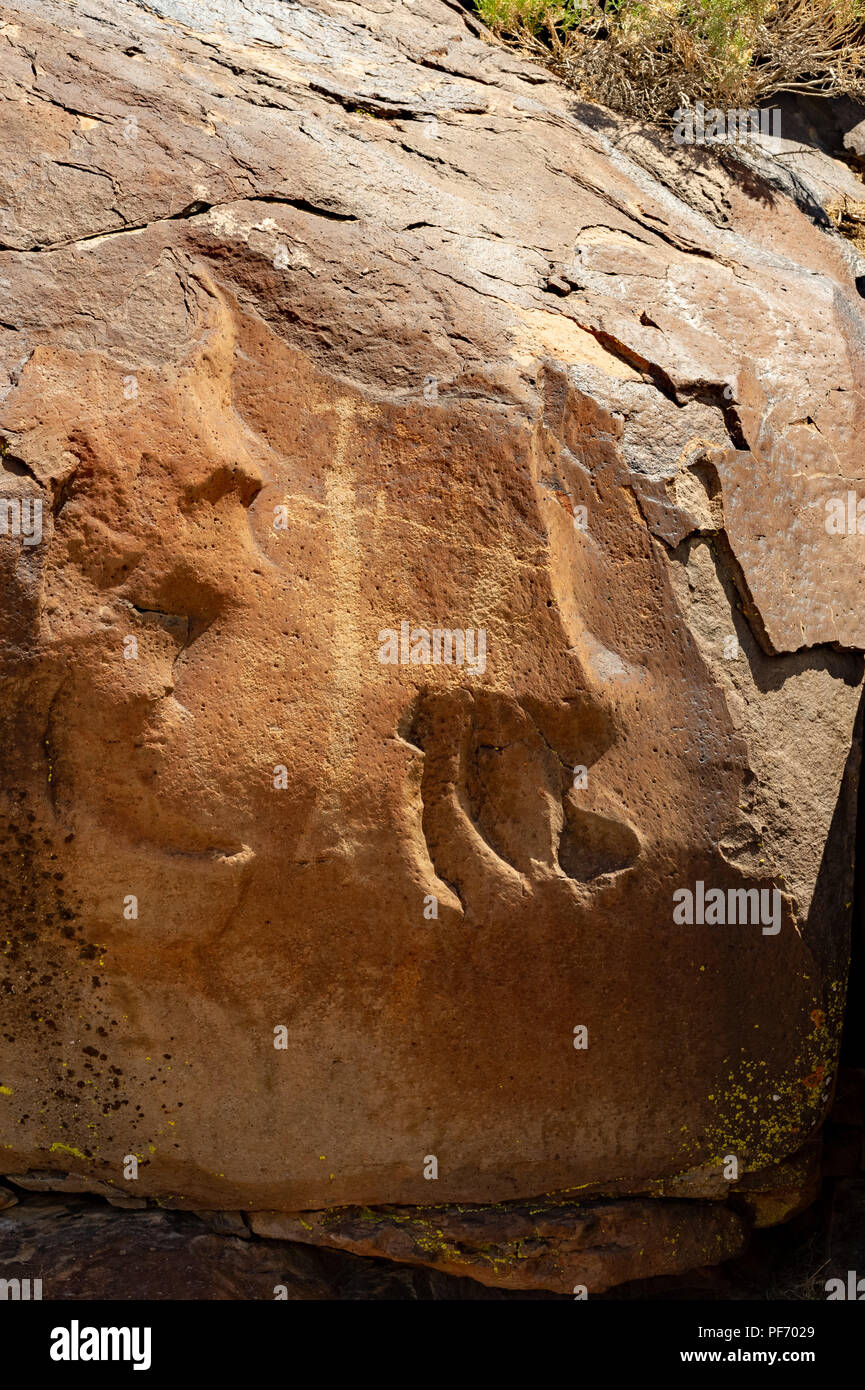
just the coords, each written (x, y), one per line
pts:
(649, 57)
(848, 215)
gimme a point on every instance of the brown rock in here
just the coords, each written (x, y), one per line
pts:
(81, 1251)
(568, 1248)
(781, 1192)
(58, 1181)
(289, 362)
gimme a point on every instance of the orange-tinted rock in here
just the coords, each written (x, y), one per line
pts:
(285, 369)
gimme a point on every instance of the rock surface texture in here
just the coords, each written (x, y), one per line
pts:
(318, 321)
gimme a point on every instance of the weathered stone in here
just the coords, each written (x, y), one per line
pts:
(80, 1250)
(422, 314)
(58, 1181)
(566, 1247)
(779, 1193)
(226, 1223)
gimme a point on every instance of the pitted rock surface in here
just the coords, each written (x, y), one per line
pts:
(314, 322)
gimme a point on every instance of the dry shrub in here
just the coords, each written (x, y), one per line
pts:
(848, 215)
(649, 57)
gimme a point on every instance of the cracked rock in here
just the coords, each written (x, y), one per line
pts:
(405, 636)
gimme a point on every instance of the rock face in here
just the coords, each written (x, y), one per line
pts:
(81, 1253)
(327, 331)
(565, 1247)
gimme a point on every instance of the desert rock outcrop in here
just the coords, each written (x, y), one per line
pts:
(326, 331)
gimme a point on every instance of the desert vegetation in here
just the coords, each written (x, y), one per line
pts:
(649, 57)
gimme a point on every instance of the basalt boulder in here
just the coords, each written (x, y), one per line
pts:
(431, 643)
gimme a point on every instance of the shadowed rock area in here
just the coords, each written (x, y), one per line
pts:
(430, 707)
